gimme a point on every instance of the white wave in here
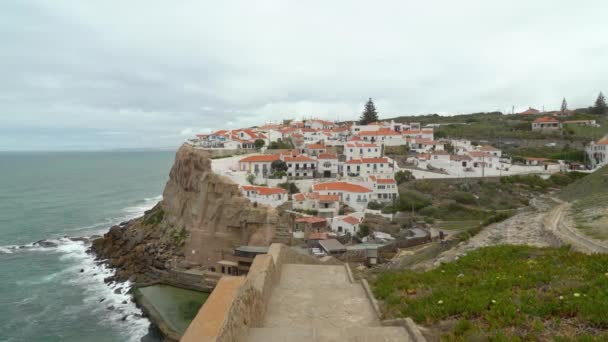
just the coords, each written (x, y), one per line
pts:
(87, 274)
(7, 249)
(138, 210)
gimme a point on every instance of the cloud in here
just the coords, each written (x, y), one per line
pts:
(157, 69)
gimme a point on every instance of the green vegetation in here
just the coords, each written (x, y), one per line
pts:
(251, 178)
(154, 216)
(369, 113)
(292, 188)
(599, 107)
(281, 145)
(590, 203)
(496, 127)
(403, 176)
(259, 143)
(554, 153)
(504, 293)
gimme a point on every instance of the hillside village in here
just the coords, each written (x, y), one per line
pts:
(334, 173)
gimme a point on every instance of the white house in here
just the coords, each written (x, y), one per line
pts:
(346, 224)
(265, 195)
(483, 159)
(546, 123)
(491, 150)
(354, 195)
(598, 152)
(326, 205)
(384, 136)
(328, 165)
(421, 145)
(315, 149)
(319, 124)
(300, 166)
(258, 164)
(385, 189)
(368, 166)
(357, 150)
(427, 134)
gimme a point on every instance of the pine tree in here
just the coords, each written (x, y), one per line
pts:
(600, 104)
(564, 105)
(369, 113)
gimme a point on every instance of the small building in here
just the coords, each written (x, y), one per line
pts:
(258, 164)
(304, 226)
(313, 239)
(332, 247)
(244, 255)
(346, 224)
(265, 195)
(597, 151)
(357, 150)
(328, 165)
(300, 166)
(546, 123)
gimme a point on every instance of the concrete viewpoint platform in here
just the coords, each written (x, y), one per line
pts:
(287, 296)
(320, 303)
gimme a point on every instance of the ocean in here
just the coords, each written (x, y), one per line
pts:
(55, 291)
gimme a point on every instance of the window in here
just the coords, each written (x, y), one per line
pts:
(327, 164)
(304, 174)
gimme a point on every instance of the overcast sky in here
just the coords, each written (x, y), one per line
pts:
(125, 73)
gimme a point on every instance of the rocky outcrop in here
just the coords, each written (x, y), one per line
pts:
(201, 218)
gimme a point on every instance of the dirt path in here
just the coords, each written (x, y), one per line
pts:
(527, 227)
(562, 226)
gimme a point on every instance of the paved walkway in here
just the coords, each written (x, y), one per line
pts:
(319, 303)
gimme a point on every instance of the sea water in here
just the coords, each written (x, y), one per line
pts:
(57, 292)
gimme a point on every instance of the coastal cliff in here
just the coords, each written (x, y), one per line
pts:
(202, 217)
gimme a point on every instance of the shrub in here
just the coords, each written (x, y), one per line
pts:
(292, 188)
(403, 176)
(412, 200)
(251, 178)
(375, 205)
(463, 197)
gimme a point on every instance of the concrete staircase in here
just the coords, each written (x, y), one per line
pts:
(320, 303)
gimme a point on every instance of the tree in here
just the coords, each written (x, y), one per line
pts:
(259, 143)
(369, 113)
(278, 166)
(564, 105)
(600, 104)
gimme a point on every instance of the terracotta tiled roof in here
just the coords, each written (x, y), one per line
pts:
(351, 220)
(260, 158)
(546, 119)
(327, 156)
(530, 111)
(299, 197)
(340, 186)
(299, 159)
(603, 141)
(329, 198)
(367, 160)
(311, 219)
(263, 190)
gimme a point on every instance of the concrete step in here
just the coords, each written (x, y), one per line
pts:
(363, 334)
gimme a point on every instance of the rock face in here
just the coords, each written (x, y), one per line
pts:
(201, 218)
(212, 210)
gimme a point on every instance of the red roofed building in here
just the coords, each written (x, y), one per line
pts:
(266, 195)
(546, 123)
(385, 189)
(354, 195)
(301, 166)
(356, 150)
(383, 136)
(346, 224)
(368, 166)
(326, 205)
(260, 164)
(598, 152)
(328, 166)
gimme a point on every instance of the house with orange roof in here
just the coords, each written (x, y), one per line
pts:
(425, 133)
(346, 224)
(259, 164)
(491, 150)
(319, 124)
(300, 166)
(368, 166)
(546, 123)
(385, 188)
(383, 136)
(354, 195)
(597, 151)
(326, 206)
(265, 195)
(328, 165)
(358, 149)
(421, 145)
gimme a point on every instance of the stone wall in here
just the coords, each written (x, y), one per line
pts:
(244, 307)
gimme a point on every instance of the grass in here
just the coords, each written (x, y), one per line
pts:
(503, 292)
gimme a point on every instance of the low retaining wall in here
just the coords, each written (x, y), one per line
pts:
(239, 303)
(225, 152)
